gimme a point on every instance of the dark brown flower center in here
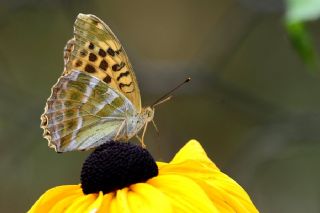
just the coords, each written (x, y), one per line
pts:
(115, 165)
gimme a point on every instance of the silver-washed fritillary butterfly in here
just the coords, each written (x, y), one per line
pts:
(97, 98)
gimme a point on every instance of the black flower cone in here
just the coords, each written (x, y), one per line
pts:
(115, 165)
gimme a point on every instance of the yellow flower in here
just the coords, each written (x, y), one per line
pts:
(191, 182)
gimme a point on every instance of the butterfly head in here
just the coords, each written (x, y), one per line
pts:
(148, 113)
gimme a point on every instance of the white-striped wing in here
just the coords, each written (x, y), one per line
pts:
(83, 112)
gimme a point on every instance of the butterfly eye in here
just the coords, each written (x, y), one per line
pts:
(150, 113)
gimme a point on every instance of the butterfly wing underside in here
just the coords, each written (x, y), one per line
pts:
(83, 112)
(97, 51)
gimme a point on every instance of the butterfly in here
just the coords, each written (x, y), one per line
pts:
(97, 98)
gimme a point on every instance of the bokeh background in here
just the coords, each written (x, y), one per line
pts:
(253, 103)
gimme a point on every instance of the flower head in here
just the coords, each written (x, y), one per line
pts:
(191, 182)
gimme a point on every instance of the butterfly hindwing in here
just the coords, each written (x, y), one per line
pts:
(97, 51)
(83, 112)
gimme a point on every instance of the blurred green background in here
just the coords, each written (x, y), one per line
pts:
(253, 103)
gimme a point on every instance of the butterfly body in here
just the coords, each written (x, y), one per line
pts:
(97, 98)
(135, 123)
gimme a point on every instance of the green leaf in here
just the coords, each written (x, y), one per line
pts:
(302, 42)
(298, 12)
(302, 10)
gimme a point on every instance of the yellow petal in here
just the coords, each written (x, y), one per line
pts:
(106, 202)
(122, 201)
(54, 195)
(95, 206)
(161, 164)
(143, 197)
(63, 204)
(192, 151)
(185, 195)
(191, 167)
(233, 194)
(81, 204)
(226, 194)
(113, 206)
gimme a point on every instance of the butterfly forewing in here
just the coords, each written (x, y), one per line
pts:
(83, 112)
(97, 51)
(97, 98)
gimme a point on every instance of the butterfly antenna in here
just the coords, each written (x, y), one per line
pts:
(167, 96)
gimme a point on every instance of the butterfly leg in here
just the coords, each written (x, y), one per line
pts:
(119, 130)
(155, 126)
(143, 133)
(140, 140)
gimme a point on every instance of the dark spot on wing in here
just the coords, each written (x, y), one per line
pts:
(123, 75)
(118, 67)
(110, 51)
(83, 53)
(103, 65)
(46, 133)
(118, 51)
(91, 46)
(125, 85)
(78, 63)
(92, 57)
(44, 121)
(107, 79)
(102, 53)
(95, 22)
(89, 68)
